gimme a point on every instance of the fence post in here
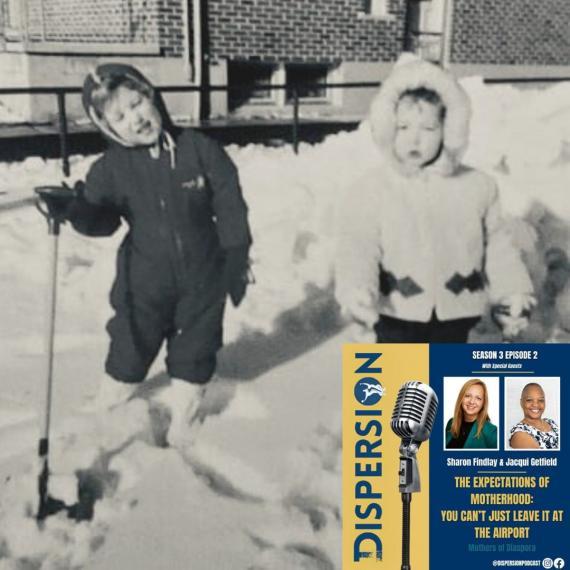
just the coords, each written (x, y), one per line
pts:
(63, 132)
(295, 119)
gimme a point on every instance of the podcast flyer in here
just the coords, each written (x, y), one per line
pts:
(490, 486)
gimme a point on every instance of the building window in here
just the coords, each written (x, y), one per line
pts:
(376, 8)
(251, 79)
(309, 79)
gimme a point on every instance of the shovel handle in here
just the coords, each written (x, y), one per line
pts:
(45, 417)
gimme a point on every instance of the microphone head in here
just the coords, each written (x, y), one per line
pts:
(414, 412)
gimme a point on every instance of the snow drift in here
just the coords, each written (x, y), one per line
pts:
(260, 488)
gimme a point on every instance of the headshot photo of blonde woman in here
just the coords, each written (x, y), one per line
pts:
(471, 410)
(532, 413)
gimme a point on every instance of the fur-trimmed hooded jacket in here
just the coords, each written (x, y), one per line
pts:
(414, 240)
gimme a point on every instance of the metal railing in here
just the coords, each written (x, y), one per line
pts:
(60, 94)
(296, 101)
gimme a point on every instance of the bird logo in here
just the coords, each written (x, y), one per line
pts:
(368, 391)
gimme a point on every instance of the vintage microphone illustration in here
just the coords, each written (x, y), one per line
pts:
(412, 420)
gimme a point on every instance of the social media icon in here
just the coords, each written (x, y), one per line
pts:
(547, 563)
(559, 563)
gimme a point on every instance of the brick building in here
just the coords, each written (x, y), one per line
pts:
(259, 43)
(310, 41)
(56, 42)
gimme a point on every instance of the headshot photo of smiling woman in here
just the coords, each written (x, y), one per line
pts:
(471, 427)
(539, 402)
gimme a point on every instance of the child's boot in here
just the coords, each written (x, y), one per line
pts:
(183, 400)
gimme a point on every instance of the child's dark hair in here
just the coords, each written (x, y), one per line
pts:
(108, 86)
(427, 95)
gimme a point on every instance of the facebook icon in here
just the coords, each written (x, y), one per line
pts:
(559, 563)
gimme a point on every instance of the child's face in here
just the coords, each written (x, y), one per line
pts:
(133, 117)
(419, 132)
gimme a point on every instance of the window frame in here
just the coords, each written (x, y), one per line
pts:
(235, 102)
(375, 10)
(325, 98)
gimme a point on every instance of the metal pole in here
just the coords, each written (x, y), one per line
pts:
(295, 120)
(43, 448)
(63, 132)
(408, 41)
(406, 500)
(196, 76)
(447, 34)
(205, 94)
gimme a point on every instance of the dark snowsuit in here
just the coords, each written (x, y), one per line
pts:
(187, 225)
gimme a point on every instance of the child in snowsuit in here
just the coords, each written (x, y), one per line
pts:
(421, 244)
(187, 245)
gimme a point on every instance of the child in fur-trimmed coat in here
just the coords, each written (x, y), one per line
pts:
(421, 245)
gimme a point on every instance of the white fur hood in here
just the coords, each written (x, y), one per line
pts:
(412, 75)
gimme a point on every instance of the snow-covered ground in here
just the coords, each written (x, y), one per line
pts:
(260, 488)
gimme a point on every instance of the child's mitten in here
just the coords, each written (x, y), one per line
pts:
(236, 269)
(361, 308)
(90, 219)
(512, 313)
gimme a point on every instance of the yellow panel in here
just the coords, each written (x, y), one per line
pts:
(376, 452)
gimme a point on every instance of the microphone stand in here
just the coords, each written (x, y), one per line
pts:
(412, 420)
(409, 483)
